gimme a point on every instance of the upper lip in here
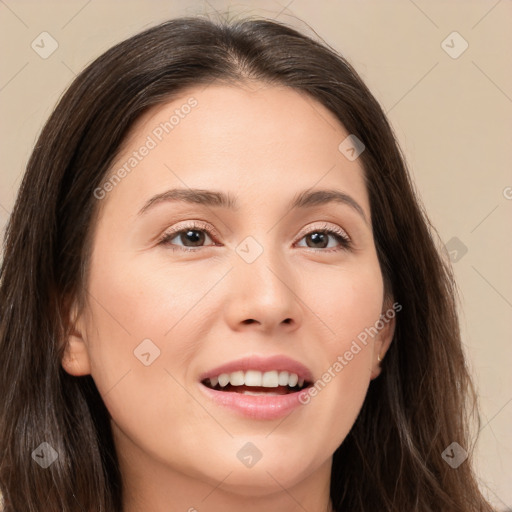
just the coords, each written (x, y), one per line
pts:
(262, 364)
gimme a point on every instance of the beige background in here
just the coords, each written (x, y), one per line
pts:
(451, 115)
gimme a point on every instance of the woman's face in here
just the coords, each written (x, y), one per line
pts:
(183, 283)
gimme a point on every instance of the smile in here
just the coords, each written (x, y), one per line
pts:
(258, 387)
(254, 382)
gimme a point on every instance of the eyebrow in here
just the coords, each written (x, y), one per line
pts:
(213, 198)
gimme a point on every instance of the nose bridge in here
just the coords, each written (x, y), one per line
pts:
(262, 265)
(264, 284)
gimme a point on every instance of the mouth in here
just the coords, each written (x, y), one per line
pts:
(258, 387)
(257, 383)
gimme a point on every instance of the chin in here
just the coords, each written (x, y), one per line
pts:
(260, 481)
(277, 469)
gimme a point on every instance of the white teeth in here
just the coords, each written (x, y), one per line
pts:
(237, 378)
(283, 378)
(255, 378)
(270, 380)
(223, 380)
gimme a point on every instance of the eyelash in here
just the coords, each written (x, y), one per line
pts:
(338, 233)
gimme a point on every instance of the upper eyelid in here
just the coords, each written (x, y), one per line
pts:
(203, 226)
(193, 225)
(326, 227)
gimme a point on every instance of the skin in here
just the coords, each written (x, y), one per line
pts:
(178, 450)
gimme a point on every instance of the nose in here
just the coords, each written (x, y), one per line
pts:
(263, 295)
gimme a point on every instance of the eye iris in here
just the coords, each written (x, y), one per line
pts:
(194, 236)
(319, 237)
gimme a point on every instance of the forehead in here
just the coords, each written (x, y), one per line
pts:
(252, 115)
(249, 137)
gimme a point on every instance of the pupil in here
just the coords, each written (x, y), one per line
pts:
(315, 237)
(194, 236)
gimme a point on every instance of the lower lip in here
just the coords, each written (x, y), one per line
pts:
(259, 407)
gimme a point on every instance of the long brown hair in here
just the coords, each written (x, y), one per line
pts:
(424, 400)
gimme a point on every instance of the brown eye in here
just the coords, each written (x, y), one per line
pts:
(321, 238)
(186, 238)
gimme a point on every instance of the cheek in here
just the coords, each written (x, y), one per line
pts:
(139, 350)
(349, 305)
(346, 300)
(133, 301)
(142, 334)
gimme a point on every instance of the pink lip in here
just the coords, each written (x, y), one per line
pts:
(262, 364)
(259, 407)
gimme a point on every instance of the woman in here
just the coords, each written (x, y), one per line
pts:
(219, 291)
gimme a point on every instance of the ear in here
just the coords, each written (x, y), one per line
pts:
(75, 359)
(384, 338)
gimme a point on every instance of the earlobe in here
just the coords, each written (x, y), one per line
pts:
(381, 346)
(377, 368)
(75, 359)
